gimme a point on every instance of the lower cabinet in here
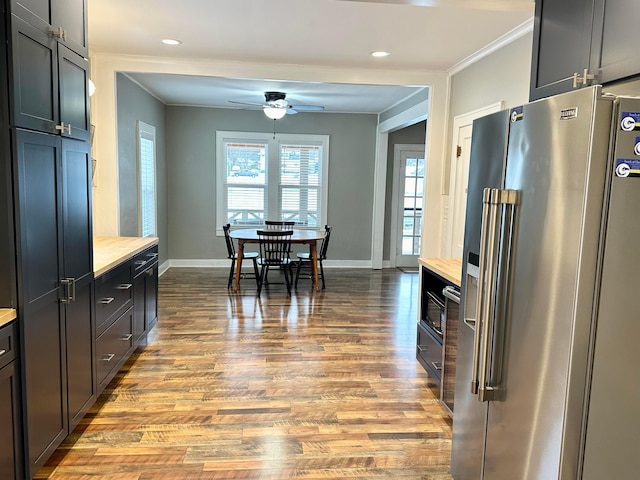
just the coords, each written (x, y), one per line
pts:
(126, 309)
(145, 292)
(10, 432)
(113, 348)
(437, 333)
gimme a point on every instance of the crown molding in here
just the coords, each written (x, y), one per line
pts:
(509, 37)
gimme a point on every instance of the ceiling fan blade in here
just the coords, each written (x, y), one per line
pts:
(308, 108)
(247, 103)
(291, 111)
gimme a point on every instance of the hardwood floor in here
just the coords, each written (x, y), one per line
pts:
(324, 385)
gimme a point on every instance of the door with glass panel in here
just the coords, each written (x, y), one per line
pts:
(410, 190)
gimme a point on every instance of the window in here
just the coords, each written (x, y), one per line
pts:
(146, 180)
(261, 178)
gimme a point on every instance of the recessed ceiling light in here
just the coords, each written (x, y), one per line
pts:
(380, 54)
(171, 41)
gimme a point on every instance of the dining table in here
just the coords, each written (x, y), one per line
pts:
(299, 236)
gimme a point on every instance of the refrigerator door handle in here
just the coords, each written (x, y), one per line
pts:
(486, 213)
(496, 199)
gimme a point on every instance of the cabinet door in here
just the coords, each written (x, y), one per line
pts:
(73, 79)
(561, 45)
(45, 385)
(35, 78)
(10, 452)
(38, 216)
(78, 265)
(76, 209)
(49, 16)
(151, 297)
(614, 52)
(139, 306)
(79, 330)
(71, 15)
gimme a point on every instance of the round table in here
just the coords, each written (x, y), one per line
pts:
(308, 237)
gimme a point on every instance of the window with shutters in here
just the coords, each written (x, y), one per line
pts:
(264, 178)
(146, 180)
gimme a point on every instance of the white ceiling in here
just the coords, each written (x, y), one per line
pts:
(421, 35)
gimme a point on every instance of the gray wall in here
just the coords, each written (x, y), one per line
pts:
(192, 184)
(133, 104)
(501, 76)
(414, 134)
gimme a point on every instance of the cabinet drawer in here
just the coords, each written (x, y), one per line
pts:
(143, 260)
(113, 345)
(7, 344)
(114, 294)
(429, 352)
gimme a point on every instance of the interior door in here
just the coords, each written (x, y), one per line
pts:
(410, 192)
(461, 178)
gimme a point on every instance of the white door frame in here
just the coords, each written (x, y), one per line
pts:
(397, 150)
(460, 121)
(412, 115)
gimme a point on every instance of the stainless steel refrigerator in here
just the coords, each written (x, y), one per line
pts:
(547, 368)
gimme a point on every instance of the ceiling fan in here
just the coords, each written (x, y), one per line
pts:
(276, 106)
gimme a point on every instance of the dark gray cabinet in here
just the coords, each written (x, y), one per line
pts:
(55, 280)
(49, 84)
(614, 54)
(64, 20)
(561, 45)
(10, 433)
(145, 287)
(126, 309)
(577, 43)
(7, 251)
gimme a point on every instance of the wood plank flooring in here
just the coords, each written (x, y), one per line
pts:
(324, 385)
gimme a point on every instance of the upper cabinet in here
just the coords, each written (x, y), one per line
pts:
(577, 43)
(65, 20)
(561, 46)
(614, 53)
(50, 83)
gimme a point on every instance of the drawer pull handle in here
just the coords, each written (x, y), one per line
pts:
(108, 357)
(140, 262)
(422, 348)
(437, 365)
(152, 255)
(127, 337)
(107, 301)
(2, 352)
(124, 286)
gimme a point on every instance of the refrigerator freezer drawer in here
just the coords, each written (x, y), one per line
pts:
(429, 353)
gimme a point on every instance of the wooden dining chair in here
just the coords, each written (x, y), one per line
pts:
(231, 253)
(275, 251)
(304, 259)
(278, 225)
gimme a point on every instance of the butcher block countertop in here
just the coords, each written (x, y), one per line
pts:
(109, 252)
(6, 315)
(448, 268)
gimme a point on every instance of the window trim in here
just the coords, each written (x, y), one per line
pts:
(273, 150)
(148, 132)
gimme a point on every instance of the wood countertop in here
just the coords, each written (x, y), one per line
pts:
(6, 315)
(448, 268)
(109, 252)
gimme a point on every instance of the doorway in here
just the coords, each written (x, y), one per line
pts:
(459, 177)
(408, 195)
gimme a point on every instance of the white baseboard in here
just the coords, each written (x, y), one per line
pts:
(224, 263)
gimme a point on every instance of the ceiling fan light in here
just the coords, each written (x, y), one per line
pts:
(275, 113)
